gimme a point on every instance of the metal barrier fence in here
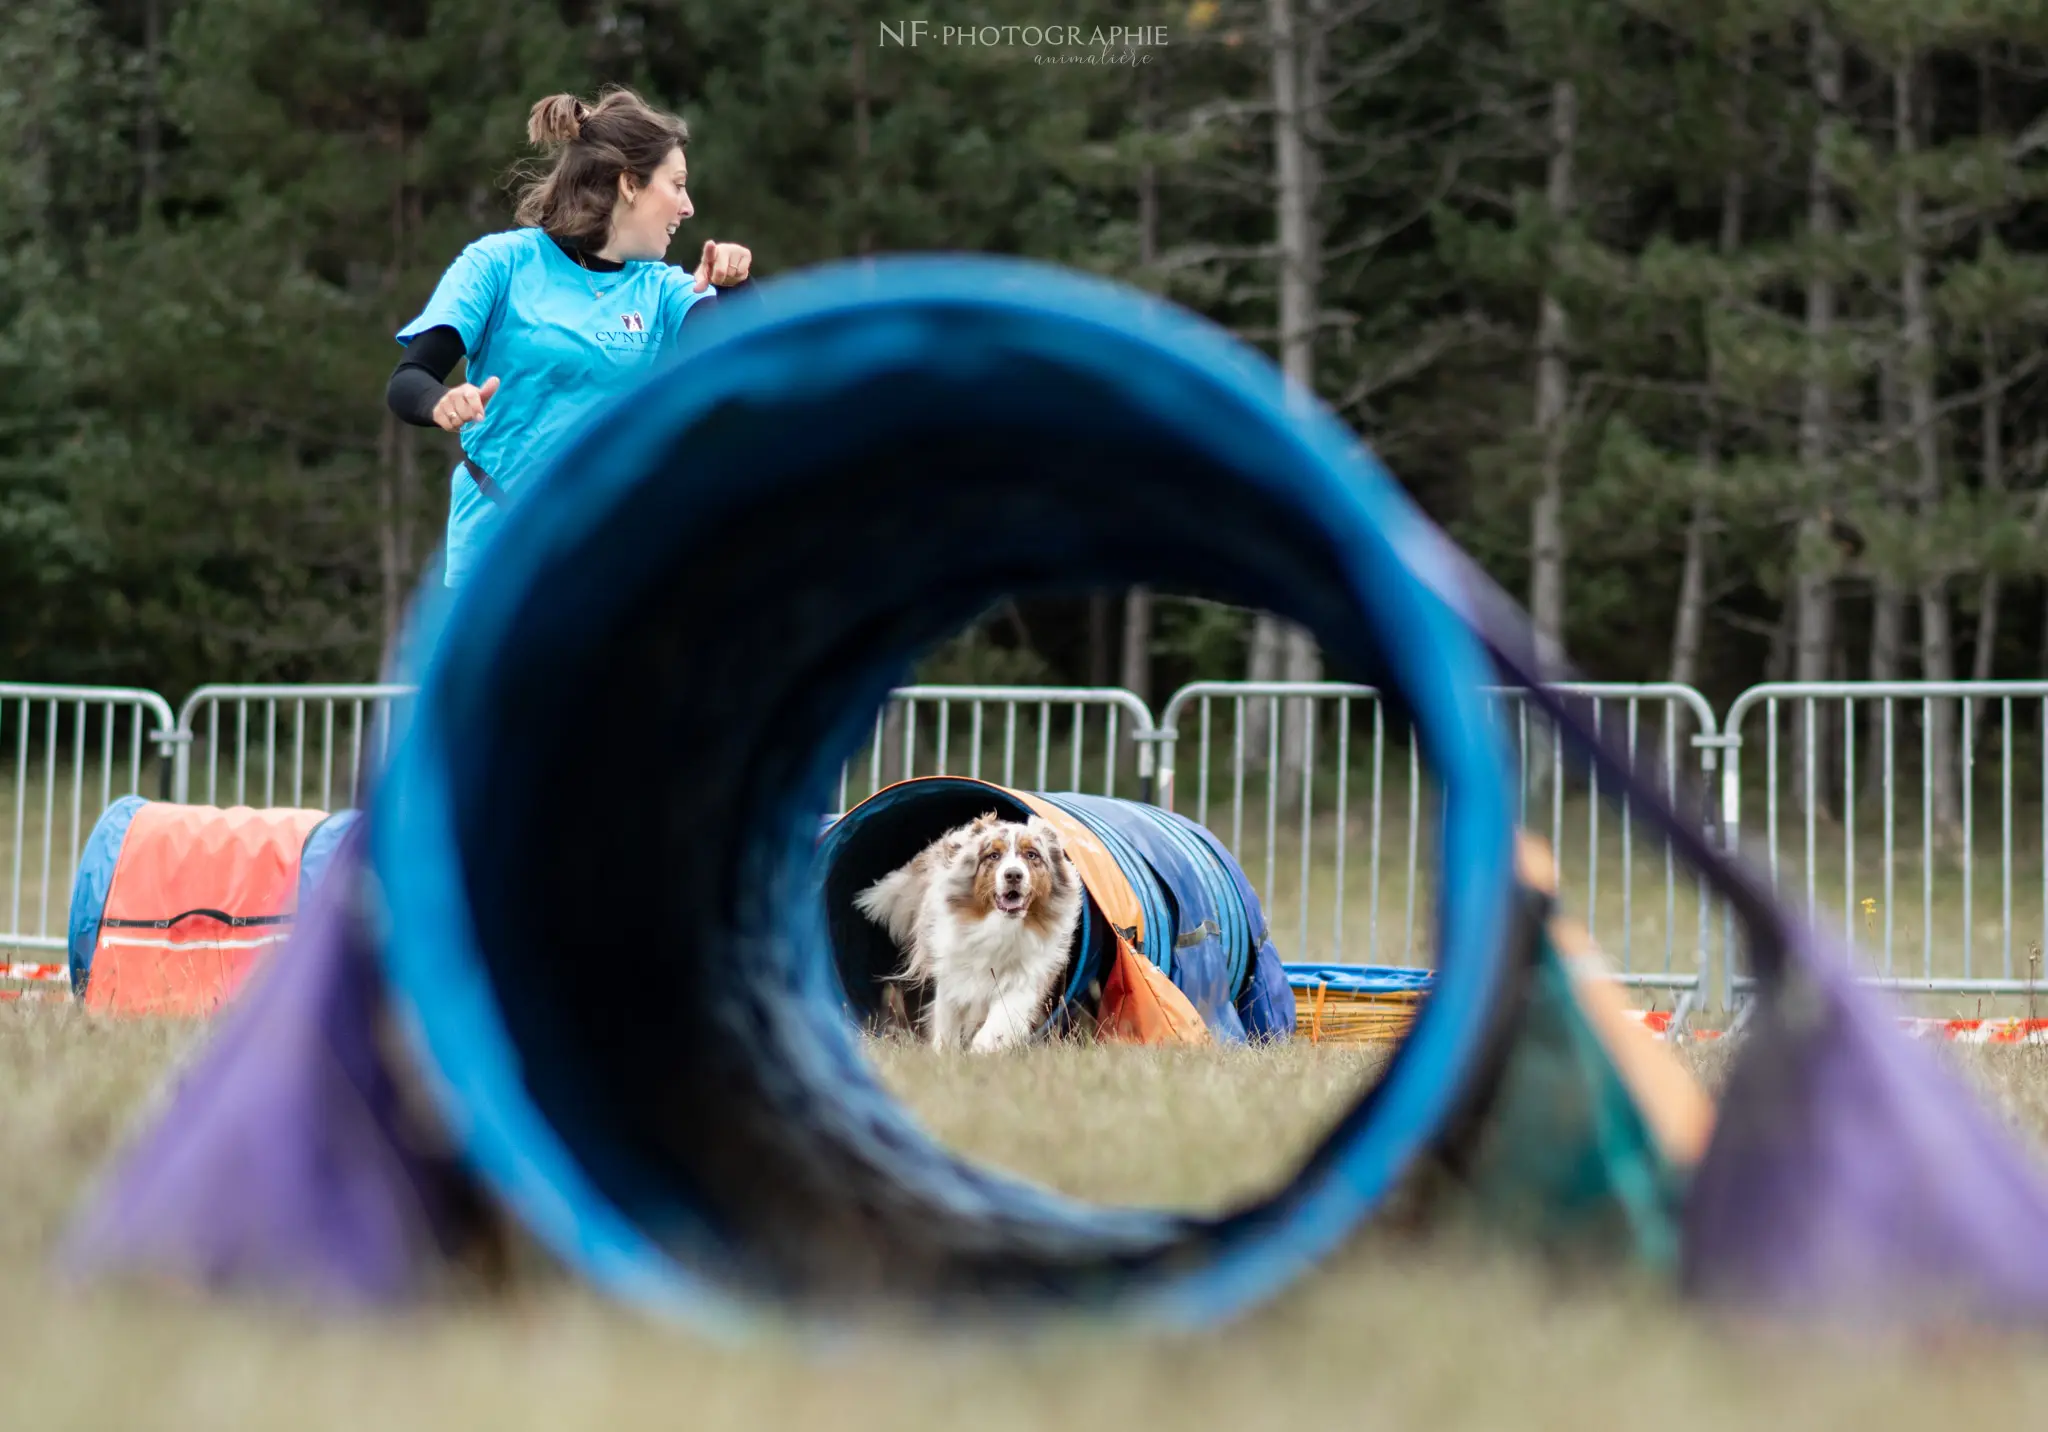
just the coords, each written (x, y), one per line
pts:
(1033, 737)
(287, 773)
(67, 741)
(288, 743)
(1325, 906)
(1334, 847)
(1851, 820)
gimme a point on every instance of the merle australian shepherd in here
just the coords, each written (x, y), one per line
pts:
(986, 917)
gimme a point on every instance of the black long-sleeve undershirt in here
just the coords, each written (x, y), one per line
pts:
(421, 378)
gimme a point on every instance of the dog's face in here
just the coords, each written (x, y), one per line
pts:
(1013, 868)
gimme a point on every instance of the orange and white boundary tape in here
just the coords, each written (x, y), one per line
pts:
(1389, 1025)
(31, 972)
(34, 974)
(1981, 1031)
(1953, 1031)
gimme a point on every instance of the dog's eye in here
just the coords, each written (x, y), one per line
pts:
(1034, 857)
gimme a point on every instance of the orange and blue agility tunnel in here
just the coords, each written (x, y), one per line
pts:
(173, 907)
(1159, 889)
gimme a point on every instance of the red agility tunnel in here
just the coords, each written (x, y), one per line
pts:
(174, 905)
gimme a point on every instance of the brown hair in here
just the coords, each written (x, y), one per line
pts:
(592, 146)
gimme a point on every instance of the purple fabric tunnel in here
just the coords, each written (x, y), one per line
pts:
(290, 1157)
(1853, 1174)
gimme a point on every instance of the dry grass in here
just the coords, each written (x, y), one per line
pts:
(1390, 1335)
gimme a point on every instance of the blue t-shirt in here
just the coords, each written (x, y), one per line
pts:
(561, 341)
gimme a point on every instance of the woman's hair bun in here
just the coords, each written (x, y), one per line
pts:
(556, 120)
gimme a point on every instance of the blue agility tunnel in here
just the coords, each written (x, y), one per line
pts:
(857, 400)
(631, 717)
(732, 569)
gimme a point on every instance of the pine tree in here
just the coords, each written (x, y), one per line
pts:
(59, 160)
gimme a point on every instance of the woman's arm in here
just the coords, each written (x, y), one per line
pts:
(742, 291)
(421, 378)
(454, 323)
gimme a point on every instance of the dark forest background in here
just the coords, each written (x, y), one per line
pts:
(1715, 329)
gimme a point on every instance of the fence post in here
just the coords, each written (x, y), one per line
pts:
(172, 743)
(1166, 738)
(1731, 838)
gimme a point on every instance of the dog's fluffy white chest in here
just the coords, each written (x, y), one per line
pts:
(994, 947)
(991, 976)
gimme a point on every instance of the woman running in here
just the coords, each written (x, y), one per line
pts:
(559, 315)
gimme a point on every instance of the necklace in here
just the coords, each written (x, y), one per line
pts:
(589, 278)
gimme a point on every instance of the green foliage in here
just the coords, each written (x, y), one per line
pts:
(1205, 639)
(214, 213)
(977, 658)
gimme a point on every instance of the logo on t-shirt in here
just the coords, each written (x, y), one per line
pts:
(631, 336)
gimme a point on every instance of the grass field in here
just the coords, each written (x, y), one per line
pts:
(1391, 1334)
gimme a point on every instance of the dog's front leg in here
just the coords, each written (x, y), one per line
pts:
(944, 1021)
(1008, 1022)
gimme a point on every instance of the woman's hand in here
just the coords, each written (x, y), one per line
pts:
(463, 404)
(723, 265)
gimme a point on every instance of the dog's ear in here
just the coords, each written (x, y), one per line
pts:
(1047, 835)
